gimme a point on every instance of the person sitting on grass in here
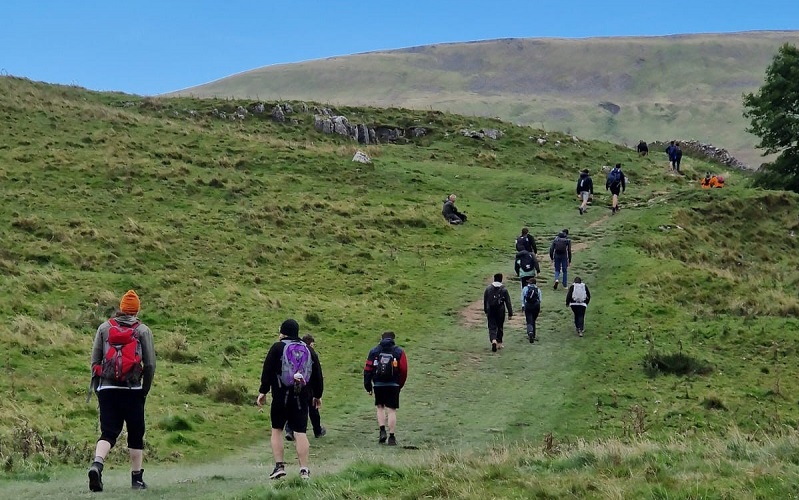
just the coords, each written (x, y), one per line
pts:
(451, 212)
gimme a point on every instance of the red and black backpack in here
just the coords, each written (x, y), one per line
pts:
(122, 363)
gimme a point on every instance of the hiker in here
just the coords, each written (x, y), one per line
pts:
(719, 181)
(450, 211)
(495, 300)
(526, 266)
(585, 189)
(642, 148)
(677, 157)
(578, 298)
(313, 411)
(293, 373)
(384, 375)
(525, 241)
(705, 183)
(670, 153)
(560, 253)
(617, 184)
(531, 305)
(122, 341)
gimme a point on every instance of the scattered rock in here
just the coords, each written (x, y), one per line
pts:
(482, 133)
(418, 131)
(361, 157)
(277, 114)
(323, 124)
(258, 108)
(609, 106)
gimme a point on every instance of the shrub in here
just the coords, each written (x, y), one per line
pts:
(197, 385)
(675, 364)
(175, 423)
(229, 392)
(713, 403)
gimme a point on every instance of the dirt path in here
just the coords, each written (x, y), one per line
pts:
(472, 316)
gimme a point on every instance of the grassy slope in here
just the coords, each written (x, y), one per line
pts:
(210, 221)
(666, 86)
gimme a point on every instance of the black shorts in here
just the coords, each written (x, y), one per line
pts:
(120, 407)
(615, 190)
(291, 408)
(387, 396)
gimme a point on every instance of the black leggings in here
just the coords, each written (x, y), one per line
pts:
(118, 407)
(531, 315)
(579, 317)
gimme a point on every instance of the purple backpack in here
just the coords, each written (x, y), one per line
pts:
(296, 359)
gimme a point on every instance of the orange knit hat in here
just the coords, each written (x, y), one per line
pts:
(130, 303)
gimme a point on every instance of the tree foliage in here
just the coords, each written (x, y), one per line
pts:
(774, 117)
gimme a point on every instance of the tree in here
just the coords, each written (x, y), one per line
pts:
(774, 115)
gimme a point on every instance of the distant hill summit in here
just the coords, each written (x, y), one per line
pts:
(620, 89)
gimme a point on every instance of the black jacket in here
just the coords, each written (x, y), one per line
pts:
(526, 242)
(489, 291)
(273, 364)
(585, 183)
(570, 301)
(400, 374)
(517, 266)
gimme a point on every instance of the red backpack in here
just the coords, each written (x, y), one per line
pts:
(122, 359)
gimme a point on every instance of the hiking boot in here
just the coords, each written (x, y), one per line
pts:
(531, 338)
(280, 471)
(500, 346)
(494, 346)
(137, 480)
(392, 441)
(579, 333)
(383, 436)
(582, 210)
(322, 432)
(96, 477)
(289, 435)
(305, 473)
(555, 286)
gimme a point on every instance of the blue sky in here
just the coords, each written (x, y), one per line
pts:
(154, 46)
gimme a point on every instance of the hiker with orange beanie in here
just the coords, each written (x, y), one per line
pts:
(123, 366)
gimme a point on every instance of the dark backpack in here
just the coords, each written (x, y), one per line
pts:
(561, 245)
(496, 297)
(531, 299)
(296, 359)
(526, 262)
(521, 243)
(122, 362)
(385, 366)
(614, 177)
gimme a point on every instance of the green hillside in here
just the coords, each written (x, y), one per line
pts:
(227, 227)
(655, 88)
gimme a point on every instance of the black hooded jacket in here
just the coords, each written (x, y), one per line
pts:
(585, 183)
